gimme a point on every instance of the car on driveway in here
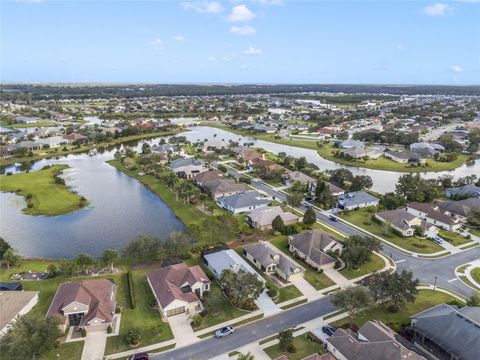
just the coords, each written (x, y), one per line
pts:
(227, 330)
(329, 330)
(139, 356)
(333, 218)
(437, 239)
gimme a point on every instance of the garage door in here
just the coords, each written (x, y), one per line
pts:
(176, 311)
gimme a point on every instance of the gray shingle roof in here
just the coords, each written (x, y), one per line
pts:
(265, 216)
(312, 243)
(356, 198)
(244, 199)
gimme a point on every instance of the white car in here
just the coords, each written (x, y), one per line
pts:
(227, 330)
(437, 239)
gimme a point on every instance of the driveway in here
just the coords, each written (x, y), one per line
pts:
(181, 329)
(94, 347)
(266, 305)
(338, 278)
(306, 289)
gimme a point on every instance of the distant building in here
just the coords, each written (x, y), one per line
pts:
(27, 120)
(463, 192)
(357, 200)
(426, 149)
(404, 157)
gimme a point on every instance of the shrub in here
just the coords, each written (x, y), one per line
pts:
(118, 309)
(109, 329)
(196, 320)
(134, 336)
(131, 290)
(393, 308)
(272, 292)
(420, 246)
(28, 196)
(84, 332)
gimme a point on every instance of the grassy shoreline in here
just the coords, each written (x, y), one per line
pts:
(325, 152)
(41, 154)
(44, 196)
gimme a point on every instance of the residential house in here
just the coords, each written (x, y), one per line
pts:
(459, 209)
(29, 145)
(88, 304)
(373, 341)
(53, 141)
(267, 165)
(270, 260)
(247, 154)
(356, 200)
(350, 144)
(187, 168)
(212, 145)
(263, 217)
(335, 190)
(167, 150)
(14, 305)
(355, 152)
(207, 176)
(312, 247)
(243, 202)
(296, 176)
(404, 157)
(433, 215)
(448, 332)
(405, 223)
(27, 120)
(81, 139)
(426, 149)
(222, 260)
(223, 187)
(178, 288)
(463, 192)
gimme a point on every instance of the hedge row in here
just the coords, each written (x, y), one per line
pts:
(131, 290)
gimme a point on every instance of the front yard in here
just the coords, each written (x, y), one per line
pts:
(304, 346)
(453, 238)
(376, 263)
(70, 351)
(363, 219)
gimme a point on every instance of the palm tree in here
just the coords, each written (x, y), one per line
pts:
(10, 257)
(110, 257)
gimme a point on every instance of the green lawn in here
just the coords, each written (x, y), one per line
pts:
(25, 265)
(226, 311)
(453, 238)
(363, 219)
(304, 347)
(425, 300)
(474, 231)
(47, 197)
(382, 163)
(376, 263)
(476, 274)
(42, 123)
(316, 279)
(66, 351)
(187, 213)
(147, 319)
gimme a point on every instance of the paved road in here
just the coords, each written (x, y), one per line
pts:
(247, 334)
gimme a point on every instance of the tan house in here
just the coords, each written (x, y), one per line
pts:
(88, 304)
(312, 247)
(262, 218)
(178, 288)
(270, 260)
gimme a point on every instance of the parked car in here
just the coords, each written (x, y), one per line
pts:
(437, 239)
(329, 330)
(227, 330)
(334, 210)
(139, 356)
(333, 218)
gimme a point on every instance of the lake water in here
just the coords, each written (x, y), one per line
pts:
(383, 181)
(120, 209)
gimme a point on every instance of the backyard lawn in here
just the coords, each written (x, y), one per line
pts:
(316, 279)
(363, 219)
(304, 347)
(376, 263)
(70, 351)
(42, 194)
(425, 300)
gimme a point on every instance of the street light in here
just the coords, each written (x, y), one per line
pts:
(435, 284)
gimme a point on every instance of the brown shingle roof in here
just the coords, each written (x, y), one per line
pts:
(312, 243)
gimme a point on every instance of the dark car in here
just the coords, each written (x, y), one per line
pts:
(139, 356)
(333, 218)
(329, 330)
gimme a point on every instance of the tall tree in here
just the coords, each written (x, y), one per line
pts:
(84, 261)
(396, 288)
(3, 247)
(241, 287)
(285, 340)
(295, 198)
(351, 300)
(10, 258)
(109, 258)
(310, 217)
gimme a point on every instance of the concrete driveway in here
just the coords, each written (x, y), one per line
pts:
(182, 331)
(94, 347)
(306, 289)
(266, 305)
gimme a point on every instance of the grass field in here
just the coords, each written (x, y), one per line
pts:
(316, 279)
(42, 193)
(304, 347)
(382, 163)
(43, 123)
(376, 263)
(70, 351)
(453, 238)
(425, 300)
(362, 218)
(474, 231)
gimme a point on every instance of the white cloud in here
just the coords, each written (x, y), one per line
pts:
(243, 30)
(227, 58)
(243, 66)
(456, 69)
(203, 7)
(156, 43)
(241, 13)
(212, 58)
(178, 38)
(437, 9)
(270, 2)
(252, 51)
(400, 47)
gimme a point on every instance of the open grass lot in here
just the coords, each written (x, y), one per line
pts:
(47, 197)
(42, 123)
(376, 263)
(304, 347)
(382, 163)
(187, 213)
(476, 274)
(70, 351)
(316, 279)
(363, 219)
(453, 238)
(226, 311)
(425, 300)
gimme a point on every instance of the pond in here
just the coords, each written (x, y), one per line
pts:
(121, 208)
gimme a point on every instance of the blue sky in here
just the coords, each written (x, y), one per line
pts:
(262, 41)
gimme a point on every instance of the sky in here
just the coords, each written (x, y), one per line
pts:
(261, 41)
